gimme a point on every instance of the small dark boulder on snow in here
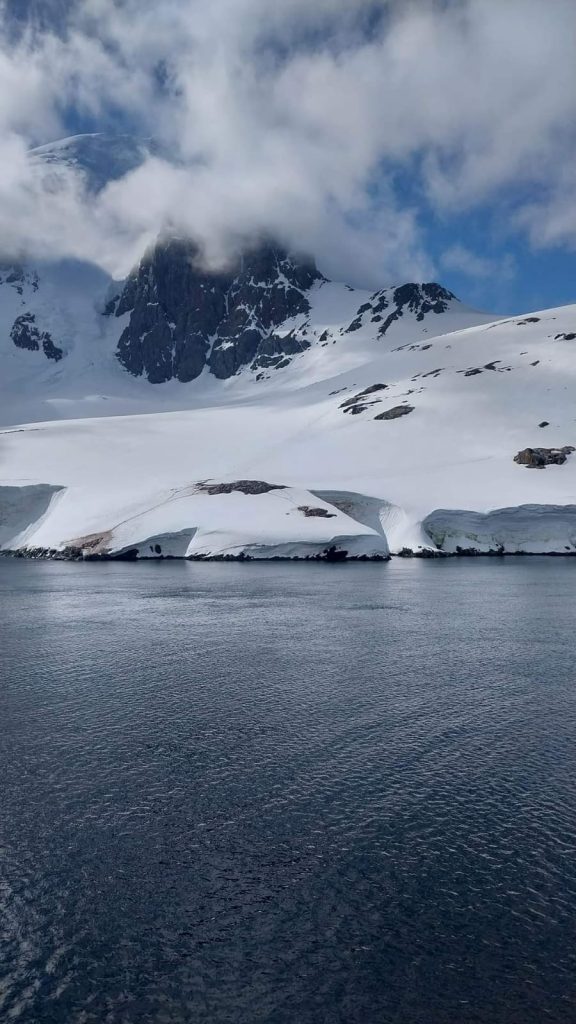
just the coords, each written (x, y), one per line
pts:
(544, 423)
(395, 413)
(311, 512)
(539, 458)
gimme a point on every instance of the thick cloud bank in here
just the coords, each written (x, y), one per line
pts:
(338, 131)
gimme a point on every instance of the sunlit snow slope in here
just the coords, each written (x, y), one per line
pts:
(367, 444)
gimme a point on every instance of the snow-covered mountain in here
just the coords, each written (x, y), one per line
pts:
(267, 412)
(100, 158)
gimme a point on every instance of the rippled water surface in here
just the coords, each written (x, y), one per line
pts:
(288, 794)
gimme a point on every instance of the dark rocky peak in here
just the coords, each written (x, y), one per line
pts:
(183, 317)
(273, 266)
(175, 309)
(390, 304)
(423, 298)
(270, 288)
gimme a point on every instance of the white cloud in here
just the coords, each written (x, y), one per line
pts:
(464, 261)
(279, 116)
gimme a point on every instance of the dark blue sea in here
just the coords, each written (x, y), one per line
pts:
(288, 793)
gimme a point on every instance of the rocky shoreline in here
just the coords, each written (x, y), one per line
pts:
(71, 555)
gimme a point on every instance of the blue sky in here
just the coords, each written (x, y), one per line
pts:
(518, 278)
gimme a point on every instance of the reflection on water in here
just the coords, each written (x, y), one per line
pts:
(288, 794)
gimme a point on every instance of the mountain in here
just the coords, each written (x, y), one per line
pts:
(264, 411)
(100, 158)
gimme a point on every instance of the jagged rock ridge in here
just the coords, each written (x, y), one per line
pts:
(183, 317)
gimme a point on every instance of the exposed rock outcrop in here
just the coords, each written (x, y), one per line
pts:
(175, 308)
(183, 318)
(362, 401)
(25, 334)
(243, 486)
(539, 458)
(395, 413)
(269, 289)
(319, 513)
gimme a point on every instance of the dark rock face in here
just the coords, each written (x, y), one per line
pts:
(175, 309)
(395, 413)
(387, 306)
(270, 288)
(183, 318)
(539, 458)
(51, 351)
(418, 299)
(25, 334)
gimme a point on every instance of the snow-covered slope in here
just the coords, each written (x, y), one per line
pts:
(348, 467)
(265, 411)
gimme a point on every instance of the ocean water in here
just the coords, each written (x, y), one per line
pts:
(287, 793)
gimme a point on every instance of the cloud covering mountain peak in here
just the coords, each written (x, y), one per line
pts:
(340, 130)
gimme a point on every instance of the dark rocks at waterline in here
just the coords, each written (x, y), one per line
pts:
(419, 553)
(539, 458)
(72, 554)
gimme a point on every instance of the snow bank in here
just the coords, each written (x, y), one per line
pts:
(193, 523)
(528, 529)
(22, 511)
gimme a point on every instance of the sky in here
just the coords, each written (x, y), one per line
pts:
(393, 139)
